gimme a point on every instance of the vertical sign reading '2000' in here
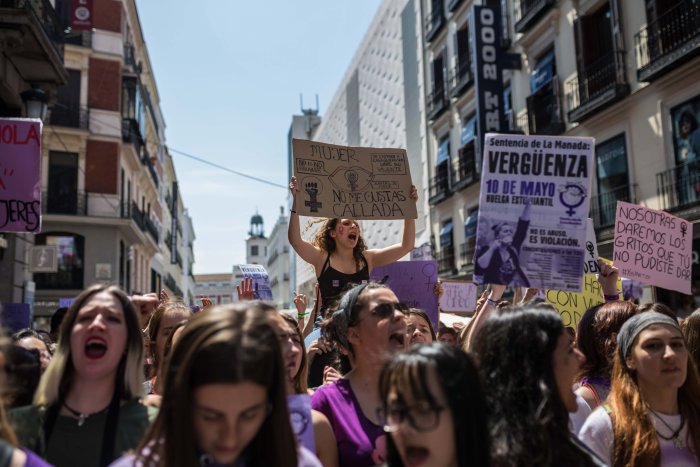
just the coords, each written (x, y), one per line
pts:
(488, 82)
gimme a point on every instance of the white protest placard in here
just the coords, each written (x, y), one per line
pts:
(458, 297)
(352, 182)
(534, 201)
(590, 262)
(261, 280)
(653, 247)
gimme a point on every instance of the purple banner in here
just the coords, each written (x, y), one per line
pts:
(413, 282)
(300, 418)
(20, 180)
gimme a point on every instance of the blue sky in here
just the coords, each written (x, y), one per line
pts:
(229, 76)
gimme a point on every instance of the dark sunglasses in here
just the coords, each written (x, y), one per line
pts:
(386, 310)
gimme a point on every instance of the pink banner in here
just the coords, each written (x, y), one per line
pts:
(653, 247)
(81, 15)
(20, 180)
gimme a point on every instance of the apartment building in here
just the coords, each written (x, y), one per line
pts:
(31, 67)
(624, 73)
(110, 200)
(379, 103)
(278, 262)
(219, 288)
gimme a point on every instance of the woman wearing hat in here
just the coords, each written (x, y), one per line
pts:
(652, 415)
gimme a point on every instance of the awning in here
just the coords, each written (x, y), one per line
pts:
(470, 224)
(543, 72)
(446, 235)
(468, 131)
(443, 153)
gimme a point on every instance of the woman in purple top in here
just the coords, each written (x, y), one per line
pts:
(369, 326)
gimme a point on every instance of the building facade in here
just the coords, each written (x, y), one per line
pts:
(379, 103)
(621, 72)
(31, 57)
(278, 262)
(256, 243)
(219, 288)
(107, 177)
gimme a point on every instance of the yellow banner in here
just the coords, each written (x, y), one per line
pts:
(573, 305)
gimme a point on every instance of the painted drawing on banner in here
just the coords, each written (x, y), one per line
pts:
(533, 211)
(352, 182)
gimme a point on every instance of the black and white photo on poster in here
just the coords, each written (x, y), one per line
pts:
(533, 210)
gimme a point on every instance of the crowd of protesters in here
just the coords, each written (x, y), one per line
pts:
(147, 381)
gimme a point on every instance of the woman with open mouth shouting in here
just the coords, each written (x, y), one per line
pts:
(87, 410)
(434, 408)
(369, 327)
(340, 256)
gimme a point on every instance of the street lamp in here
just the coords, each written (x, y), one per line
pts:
(36, 102)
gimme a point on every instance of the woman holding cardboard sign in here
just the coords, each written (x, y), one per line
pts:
(338, 253)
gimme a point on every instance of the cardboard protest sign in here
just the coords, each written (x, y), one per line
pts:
(653, 247)
(458, 297)
(20, 180)
(590, 262)
(300, 417)
(573, 305)
(533, 208)
(449, 319)
(261, 280)
(352, 182)
(413, 282)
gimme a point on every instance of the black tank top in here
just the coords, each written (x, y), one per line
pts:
(332, 282)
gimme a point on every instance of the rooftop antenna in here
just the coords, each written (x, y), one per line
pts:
(317, 108)
(301, 102)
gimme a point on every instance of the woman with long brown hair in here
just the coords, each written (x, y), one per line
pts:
(224, 397)
(652, 415)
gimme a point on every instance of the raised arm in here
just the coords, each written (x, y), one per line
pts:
(382, 256)
(488, 309)
(304, 249)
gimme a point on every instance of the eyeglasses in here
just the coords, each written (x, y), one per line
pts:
(421, 418)
(386, 310)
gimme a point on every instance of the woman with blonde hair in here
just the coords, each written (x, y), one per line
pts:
(87, 410)
(652, 415)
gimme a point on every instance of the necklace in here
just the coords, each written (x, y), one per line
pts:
(81, 416)
(675, 434)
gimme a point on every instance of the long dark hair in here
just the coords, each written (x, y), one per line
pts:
(408, 373)
(224, 344)
(594, 336)
(528, 421)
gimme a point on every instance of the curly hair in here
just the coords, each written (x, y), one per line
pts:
(527, 417)
(323, 240)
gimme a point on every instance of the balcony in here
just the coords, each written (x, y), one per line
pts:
(669, 41)
(130, 59)
(178, 258)
(465, 173)
(132, 134)
(446, 260)
(604, 205)
(517, 124)
(81, 39)
(60, 115)
(32, 38)
(435, 21)
(151, 228)
(601, 85)
(461, 77)
(679, 187)
(170, 283)
(527, 12)
(138, 216)
(437, 103)
(439, 189)
(467, 250)
(146, 161)
(544, 112)
(72, 204)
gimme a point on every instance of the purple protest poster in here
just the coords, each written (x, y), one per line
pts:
(413, 282)
(300, 418)
(20, 179)
(653, 247)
